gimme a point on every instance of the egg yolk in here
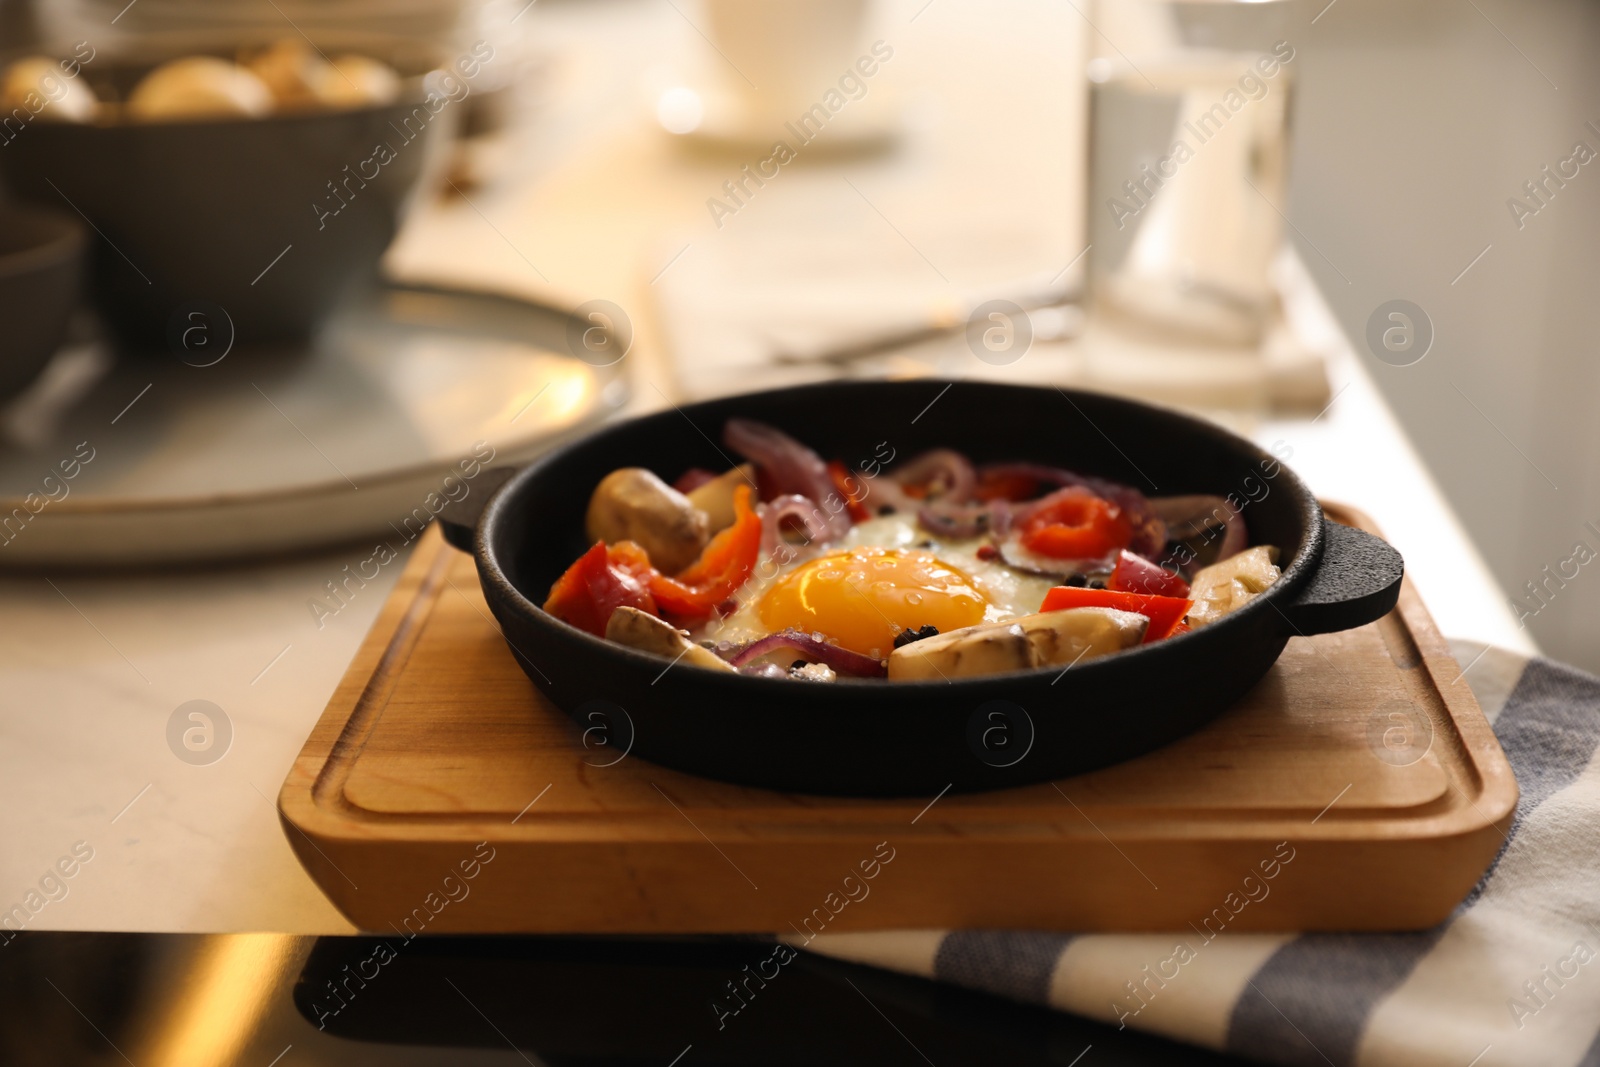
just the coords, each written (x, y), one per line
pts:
(863, 597)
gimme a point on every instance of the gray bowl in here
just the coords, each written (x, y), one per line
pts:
(41, 273)
(271, 220)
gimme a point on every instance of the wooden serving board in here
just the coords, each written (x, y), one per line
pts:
(1359, 774)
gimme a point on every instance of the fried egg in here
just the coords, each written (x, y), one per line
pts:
(862, 597)
(885, 576)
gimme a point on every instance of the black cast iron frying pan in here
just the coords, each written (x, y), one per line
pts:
(876, 738)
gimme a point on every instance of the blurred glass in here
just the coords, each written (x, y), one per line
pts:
(1189, 104)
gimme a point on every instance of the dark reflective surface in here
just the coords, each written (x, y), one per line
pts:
(258, 999)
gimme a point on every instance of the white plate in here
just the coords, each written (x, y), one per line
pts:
(266, 452)
(728, 122)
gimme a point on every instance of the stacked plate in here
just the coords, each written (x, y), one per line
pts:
(399, 408)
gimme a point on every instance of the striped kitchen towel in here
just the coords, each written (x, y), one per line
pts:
(1512, 977)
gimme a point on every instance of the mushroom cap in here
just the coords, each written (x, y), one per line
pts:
(359, 81)
(66, 98)
(292, 71)
(199, 87)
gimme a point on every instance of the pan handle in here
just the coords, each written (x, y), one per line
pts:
(1357, 581)
(458, 519)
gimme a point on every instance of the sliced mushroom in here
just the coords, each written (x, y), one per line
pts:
(988, 648)
(642, 630)
(715, 497)
(632, 504)
(1076, 634)
(1046, 639)
(1229, 585)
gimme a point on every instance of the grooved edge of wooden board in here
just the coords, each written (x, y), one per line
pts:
(978, 860)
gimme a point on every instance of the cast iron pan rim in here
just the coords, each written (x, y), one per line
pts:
(1294, 575)
(61, 240)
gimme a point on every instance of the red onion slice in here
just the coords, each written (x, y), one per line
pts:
(1017, 556)
(764, 670)
(966, 520)
(789, 466)
(1190, 516)
(812, 516)
(842, 660)
(885, 496)
(1235, 539)
(944, 466)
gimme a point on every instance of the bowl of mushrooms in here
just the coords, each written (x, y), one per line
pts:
(255, 187)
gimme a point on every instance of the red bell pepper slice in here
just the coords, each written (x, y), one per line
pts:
(1164, 612)
(842, 480)
(611, 576)
(722, 567)
(602, 580)
(1073, 523)
(1135, 574)
(1005, 485)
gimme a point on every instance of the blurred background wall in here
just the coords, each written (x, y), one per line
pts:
(1417, 122)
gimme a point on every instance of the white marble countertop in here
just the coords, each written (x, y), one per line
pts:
(95, 665)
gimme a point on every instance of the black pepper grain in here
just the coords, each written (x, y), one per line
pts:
(908, 636)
